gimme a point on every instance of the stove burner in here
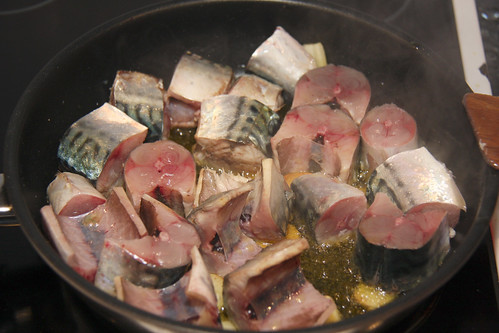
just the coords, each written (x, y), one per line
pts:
(12, 7)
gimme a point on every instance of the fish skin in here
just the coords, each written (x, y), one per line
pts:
(140, 96)
(194, 80)
(156, 266)
(270, 292)
(234, 133)
(281, 59)
(331, 209)
(97, 144)
(71, 194)
(191, 300)
(255, 87)
(211, 182)
(415, 181)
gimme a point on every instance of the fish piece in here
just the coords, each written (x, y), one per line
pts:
(152, 262)
(223, 245)
(415, 181)
(164, 170)
(140, 96)
(334, 129)
(234, 133)
(300, 154)
(340, 85)
(258, 88)
(270, 292)
(211, 182)
(190, 300)
(159, 218)
(397, 250)
(269, 206)
(331, 209)
(70, 242)
(194, 80)
(98, 144)
(118, 219)
(281, 59)
(71, 194)
(385, 131)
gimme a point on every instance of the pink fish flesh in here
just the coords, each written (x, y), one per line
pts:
(396, 250)
(385, 131)
(331, 208)
(119, 219)
(335, 84)
(270, 205)
(301, 154)
(270, 292)
(160, 219)
(69, 239)
(223, 245)
(164, 170)
(334, 129)
(71, 194)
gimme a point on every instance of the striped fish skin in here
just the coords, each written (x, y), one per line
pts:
(281, 59)
(234, 132)
(140, 96)
(414, 179)
(97, 144)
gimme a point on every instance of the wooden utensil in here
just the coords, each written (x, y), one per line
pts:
(483, 111)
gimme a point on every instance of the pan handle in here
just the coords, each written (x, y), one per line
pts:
(6, 212)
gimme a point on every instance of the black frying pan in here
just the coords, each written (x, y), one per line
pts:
(78, 80)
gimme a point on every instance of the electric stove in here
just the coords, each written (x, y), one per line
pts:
(34, 299)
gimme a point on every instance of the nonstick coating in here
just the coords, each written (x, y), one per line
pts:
(400, 71)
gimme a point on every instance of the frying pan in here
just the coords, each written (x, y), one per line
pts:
(152, 40)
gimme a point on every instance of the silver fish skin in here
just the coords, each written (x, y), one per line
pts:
(416, 181)
(126, 258)
(194, 80)
(255, 87)
(98, 144)
(270, 292)
(331, 209)
(211, 182)
(281, 59)
(71, 194)
(234, 133)
(140, 96)
(191, 300)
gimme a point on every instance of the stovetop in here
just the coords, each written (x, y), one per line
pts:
(35, 299)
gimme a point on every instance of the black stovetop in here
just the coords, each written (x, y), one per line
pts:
(35, 299)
